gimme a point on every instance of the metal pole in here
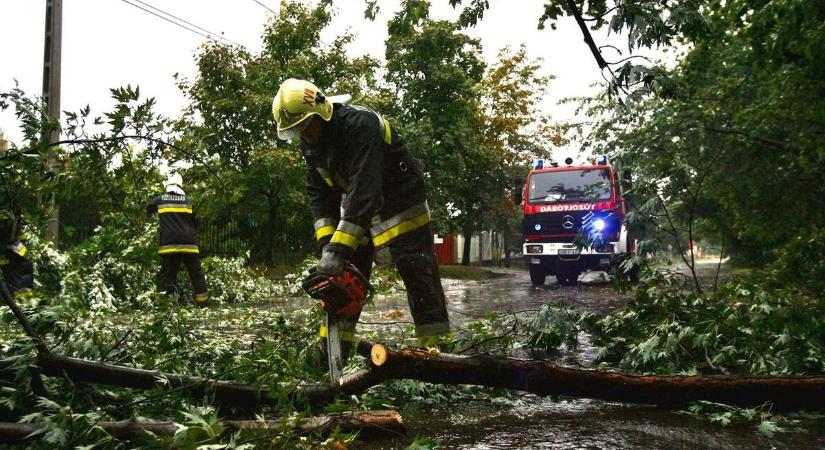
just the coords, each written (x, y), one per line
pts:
(53, 44)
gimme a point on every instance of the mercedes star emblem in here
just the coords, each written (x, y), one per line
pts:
(567, 222)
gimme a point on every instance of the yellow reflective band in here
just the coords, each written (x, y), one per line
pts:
(379, 227)
(19, 248)
(326, 176)
(175, 210)
(387, 132)
(344, 238)
(401, 228)
(346, 336)
(324, 231)
(178, 250)
(23, 293)
(200, 298)
(351, 228)
(323, 221)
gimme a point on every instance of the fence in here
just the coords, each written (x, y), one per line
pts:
(222, 240)
(227, 239)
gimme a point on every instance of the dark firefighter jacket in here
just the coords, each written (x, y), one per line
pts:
(178, 226)
(11, 235)
(362, 181)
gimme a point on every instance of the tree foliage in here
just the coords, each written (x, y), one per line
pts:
(736, 153)
(230, 119)
(648, 24)
(475, 127)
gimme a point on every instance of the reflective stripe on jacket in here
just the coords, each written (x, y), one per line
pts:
(11, 235)
(362, 181)
(178, 226)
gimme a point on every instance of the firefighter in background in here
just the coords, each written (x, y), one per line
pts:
(18, 271)
(178, 239)
(366, 191)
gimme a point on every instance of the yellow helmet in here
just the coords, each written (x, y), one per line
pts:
(295, 102)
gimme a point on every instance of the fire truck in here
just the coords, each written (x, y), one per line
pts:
(573, 219)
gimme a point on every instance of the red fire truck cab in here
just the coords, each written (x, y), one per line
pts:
(573, 220)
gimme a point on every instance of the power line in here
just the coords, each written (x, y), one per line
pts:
(168, 20)
(188, 23)
(171, 21)
(267, 7)
(206, 34)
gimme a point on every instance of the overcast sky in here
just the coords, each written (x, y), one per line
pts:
(109, 43)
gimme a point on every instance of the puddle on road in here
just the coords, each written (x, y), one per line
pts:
(580, 424)
(512, 292)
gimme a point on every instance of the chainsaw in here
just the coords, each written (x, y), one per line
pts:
(342, 298)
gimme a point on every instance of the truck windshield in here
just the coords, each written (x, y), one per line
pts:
(570, 186)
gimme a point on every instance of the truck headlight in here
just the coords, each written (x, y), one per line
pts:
(535, 249)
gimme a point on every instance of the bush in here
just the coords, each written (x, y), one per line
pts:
(744, 329)
(800, 264)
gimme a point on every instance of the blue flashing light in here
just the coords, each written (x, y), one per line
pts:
(601, 159)
(539, 164)
(598, 225)
(537, 226)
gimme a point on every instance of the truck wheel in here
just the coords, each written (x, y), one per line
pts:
(615, 269)
(568, 278)
(537, 276)
(633, 276)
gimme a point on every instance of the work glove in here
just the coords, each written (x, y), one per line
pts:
(331, 263)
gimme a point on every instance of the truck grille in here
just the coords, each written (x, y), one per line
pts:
(553, 224)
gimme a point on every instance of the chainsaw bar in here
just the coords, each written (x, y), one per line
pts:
(342, 297)
(334, 358)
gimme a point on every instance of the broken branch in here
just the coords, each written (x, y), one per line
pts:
(366, 423)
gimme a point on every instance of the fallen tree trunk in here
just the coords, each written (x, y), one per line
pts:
(225, 393)
(366, 423)
(545, 378)
(533, 376)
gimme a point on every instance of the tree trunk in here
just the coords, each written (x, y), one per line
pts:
(224, 393)
(465, 252)
(227, 393)
(366, 423)
(506, 245)
(545, 378)
(272, 201)
(534, 376)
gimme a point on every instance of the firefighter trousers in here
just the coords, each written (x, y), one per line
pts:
(414, 256)
(18, 272)
(168, 276)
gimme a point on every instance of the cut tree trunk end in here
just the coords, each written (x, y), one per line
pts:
(367, 423)
(545, 378)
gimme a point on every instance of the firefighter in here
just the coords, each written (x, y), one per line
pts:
(178, 239)
(18, 271)
(366, 191)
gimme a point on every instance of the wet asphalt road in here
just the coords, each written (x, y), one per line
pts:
(530, 422)
(509, 291)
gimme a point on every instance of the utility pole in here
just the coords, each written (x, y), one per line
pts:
(51, 94)
(4, 144)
